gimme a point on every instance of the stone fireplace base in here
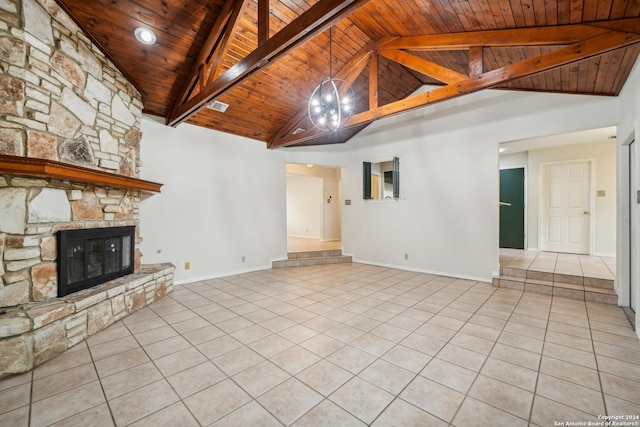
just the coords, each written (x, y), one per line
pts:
(33, 333)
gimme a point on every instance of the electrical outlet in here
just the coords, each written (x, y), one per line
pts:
(406, 256)
(187, 265)
(243, 259)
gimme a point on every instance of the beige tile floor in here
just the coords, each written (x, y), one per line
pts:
(302, 244)
(340, 345)
(559, 263)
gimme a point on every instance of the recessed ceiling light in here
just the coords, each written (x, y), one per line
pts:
(502, 150)
(145, 35)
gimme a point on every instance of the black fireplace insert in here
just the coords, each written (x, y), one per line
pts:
(87, 258)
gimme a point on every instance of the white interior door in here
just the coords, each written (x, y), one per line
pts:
(634, 216)
(566, 207)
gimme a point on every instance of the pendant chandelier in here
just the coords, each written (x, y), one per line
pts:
(331, 103)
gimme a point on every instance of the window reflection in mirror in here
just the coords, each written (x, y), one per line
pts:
(381, 180)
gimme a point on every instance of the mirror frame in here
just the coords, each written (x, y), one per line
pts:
(366, 179)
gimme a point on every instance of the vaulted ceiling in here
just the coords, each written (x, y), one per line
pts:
(264, 57)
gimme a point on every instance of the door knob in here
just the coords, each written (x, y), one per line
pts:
(586, 212)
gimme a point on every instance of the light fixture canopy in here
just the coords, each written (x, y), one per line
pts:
(145, 35)
(331, 103)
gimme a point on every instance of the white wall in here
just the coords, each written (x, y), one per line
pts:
(447, 218)
(223, 198)
(304, 206)
(603, 154)
(514, 161)
(628, 128)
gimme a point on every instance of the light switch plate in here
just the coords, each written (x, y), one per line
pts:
(638, 197)
(347, 202)
(601, 193)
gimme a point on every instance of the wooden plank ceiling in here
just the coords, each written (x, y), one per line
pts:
(266, 65)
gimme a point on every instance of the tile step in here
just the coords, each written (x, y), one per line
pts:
(568, 290)
(302, 262)
(314, 254)
(520, 275)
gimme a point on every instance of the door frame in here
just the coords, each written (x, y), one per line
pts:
(542, 214)
(633, 240)
(526, 201)
(623, 280)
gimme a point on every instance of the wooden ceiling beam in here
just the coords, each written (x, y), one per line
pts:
(578, 51)
(214, 64)
(538, 36)
(373, 81)
(423, 66)
(206, 51)
(263, 21)
(476, 65)
(316, 19)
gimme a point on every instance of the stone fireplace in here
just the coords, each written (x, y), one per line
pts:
(69, 160)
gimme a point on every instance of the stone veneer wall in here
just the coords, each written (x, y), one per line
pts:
(61, 99)
(34, 333)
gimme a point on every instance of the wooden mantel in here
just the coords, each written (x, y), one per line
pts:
(42, 168)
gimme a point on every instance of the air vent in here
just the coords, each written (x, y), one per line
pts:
(218, 106)
(298, 130)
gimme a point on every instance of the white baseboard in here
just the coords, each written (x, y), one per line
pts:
(604, 254)
(421, 270)
(304, 237)
(218, 275)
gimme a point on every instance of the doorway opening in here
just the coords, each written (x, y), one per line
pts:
(313, 194)
(570, 211)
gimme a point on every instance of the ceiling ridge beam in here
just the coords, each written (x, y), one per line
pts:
(316, 19)
(578, 51)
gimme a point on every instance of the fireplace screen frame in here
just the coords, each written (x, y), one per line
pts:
(121, 242)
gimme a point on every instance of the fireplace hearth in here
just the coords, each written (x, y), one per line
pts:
(93, 256)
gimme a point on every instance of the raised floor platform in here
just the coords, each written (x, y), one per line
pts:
(583, 277)
(301, 259)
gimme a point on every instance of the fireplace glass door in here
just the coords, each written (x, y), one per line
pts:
(93, 256)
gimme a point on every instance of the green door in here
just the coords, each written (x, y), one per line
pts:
(512, 217)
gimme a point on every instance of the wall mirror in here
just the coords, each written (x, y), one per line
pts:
(381, 180)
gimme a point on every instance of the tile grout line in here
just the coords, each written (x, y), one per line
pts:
(544, 343)
(331, 301)
(466, 394)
